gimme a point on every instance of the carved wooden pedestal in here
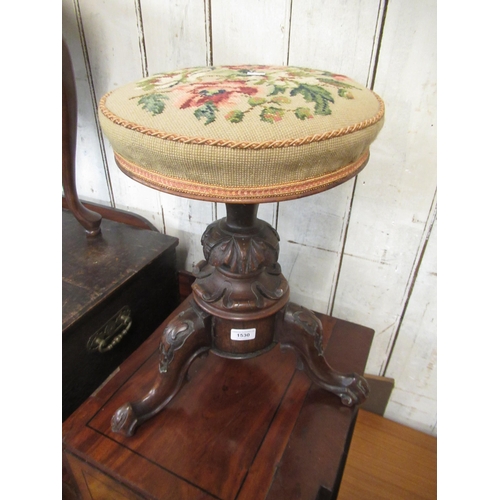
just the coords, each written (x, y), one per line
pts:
(240, 309)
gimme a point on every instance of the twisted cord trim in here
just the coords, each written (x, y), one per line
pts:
(271, 144)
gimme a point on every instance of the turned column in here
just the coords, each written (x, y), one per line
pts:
(240, 283)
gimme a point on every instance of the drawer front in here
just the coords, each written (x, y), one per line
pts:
(149, 297)
(92, 484)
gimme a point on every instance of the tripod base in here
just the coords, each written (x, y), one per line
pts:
(239, 309)
(188, 336)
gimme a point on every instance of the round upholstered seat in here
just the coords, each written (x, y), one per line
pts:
(242, 134)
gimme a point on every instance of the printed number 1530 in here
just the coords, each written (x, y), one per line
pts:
(248, 334)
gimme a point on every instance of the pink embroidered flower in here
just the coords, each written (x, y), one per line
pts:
(233, 92)
(218, 93)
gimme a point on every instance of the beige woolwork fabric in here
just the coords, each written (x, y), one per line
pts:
(242, 133)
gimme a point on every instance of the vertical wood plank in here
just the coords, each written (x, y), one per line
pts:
(335, 35)
(313, 229)
(413, 363)
(174, 34)
(114, 49)
(394, 194)
(253, 32)
(89, 164)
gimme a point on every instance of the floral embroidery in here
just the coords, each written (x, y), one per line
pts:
(268, 90)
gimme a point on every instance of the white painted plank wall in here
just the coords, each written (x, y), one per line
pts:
(338, 36)
(393, 204)
(364, 251)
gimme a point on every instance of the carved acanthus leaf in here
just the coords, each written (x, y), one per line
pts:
(240, 253)
(311, 324)
(177, 332)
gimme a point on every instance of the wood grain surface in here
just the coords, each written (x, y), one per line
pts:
(245, 429)
(389, 461)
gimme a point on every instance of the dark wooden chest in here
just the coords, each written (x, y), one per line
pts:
(120, 285)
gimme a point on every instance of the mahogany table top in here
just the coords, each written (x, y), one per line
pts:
(240, 429)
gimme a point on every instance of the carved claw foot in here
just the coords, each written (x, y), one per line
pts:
(124, 420)
(186, 337)
(300, 330)
(353, 389)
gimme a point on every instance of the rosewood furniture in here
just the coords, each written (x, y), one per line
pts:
(89, 219)
(255, 429)
(240, 135)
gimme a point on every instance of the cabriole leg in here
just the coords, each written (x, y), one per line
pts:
(300, 330)
(183, 340)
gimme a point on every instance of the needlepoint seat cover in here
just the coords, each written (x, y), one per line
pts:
(242, 134)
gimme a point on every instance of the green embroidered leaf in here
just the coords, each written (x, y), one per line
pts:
(146, 85)
(303, 113)
(235, 116)
(281, 99)
(337, 83)
(207, 112)
(272, 114)
(314, 93)
(153, 103)
(255, 101)
(345, 93)
(278, 89)
(299, 72)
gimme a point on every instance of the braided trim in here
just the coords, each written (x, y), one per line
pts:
(211, 192)
(271, 144)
